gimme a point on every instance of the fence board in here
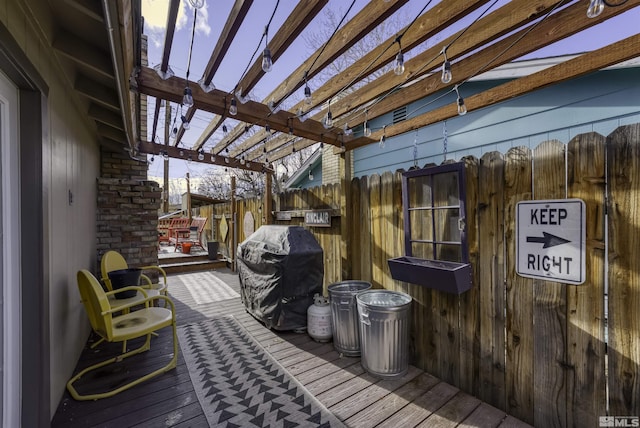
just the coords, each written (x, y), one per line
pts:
(470, 301)
(550, 303)
(375, 195)
(491, 279)
(519, 348)
(365, 231)
(387, 227)
(586, 399)
(355, 240)
(624, 276)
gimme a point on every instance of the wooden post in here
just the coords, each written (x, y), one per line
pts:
(188, 198)
(233, 224)
(267, 211)
(345, 213)
(165, 205)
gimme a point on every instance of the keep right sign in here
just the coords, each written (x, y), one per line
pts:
(550, 240)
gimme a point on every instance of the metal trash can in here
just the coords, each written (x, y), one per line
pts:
(344, 316)
(384, 332)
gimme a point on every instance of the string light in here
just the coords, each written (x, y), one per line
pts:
(185, 122)
(233, 107)
(187, 98)
(398, 65)
(307, 91)
(174, 132)
(446, 68)
(310, 175)
(328, 119)
(302, 116)
(383, 138)
(462, 108)
(346, 129)
(165, 155)
(267, 63)
(367, 130)
(201, 155)
(225, 130)
(595, 8)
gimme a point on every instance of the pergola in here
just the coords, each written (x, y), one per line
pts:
(503, 32)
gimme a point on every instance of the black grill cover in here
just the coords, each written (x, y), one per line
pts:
(280, 269)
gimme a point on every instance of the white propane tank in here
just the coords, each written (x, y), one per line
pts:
(319, 319)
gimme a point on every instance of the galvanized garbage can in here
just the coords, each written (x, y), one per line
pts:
(344, 316)
(384, 332)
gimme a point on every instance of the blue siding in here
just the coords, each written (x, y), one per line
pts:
(304, 183)
(599, 102)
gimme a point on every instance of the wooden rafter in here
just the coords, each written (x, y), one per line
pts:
(428, 24)
(234, 20)
(571, 69)
(290, 29)
(216, 101)
(558, 26)
(368, 18)
(172, 16)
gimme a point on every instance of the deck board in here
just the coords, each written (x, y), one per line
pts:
(339, 382)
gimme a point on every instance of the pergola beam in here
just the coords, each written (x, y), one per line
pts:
(586, 63)
(216, 101)
(353, 31)
(232, 25)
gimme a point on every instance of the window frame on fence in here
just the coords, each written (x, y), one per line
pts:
(440, 273)
(433, 209)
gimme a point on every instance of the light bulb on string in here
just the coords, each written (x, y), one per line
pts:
(446, 69)
(595, 8)
(187, 98)
(189, 159)
(226, 155)
(328, 120)
(233, 107)
(462, 108)
(181, 153)
(152, 159)
(242, 161)
(267, 63)
(302, 116)
(346, 129)
(310, 176)
(185, 122)
(398, 63)
(200, 155)
(224, 129)
(367, 130)
(383, 138)
(165, 155)
(174, 132)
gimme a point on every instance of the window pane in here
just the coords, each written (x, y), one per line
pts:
(445, 188)
(421, 250)
(452, 253)
(421, 225)
(447, 224)
(419, 191)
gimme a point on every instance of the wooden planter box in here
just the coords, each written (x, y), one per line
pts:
(450, 277)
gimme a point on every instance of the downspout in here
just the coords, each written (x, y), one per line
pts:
(121, 83)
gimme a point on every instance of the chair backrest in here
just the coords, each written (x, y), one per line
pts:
(111, 260)
(199, 223)
(95, 303)
(179, 222)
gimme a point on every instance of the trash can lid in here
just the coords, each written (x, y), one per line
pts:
(348, 287)
(383, 298)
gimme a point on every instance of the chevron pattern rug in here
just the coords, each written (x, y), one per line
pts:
(240, 385)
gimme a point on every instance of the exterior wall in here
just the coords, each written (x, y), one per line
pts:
(70, 160)
(331, 166)
(598, 102)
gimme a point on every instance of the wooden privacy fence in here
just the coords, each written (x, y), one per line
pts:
(543, 351)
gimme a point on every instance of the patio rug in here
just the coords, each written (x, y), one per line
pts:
(240, 385)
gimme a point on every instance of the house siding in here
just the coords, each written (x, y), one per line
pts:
(70, 166)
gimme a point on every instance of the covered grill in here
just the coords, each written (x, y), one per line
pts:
(280, 270)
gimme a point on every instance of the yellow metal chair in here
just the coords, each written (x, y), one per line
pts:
(121, 328)
(113, 260)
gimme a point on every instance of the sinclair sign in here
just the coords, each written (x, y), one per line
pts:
(550, 240)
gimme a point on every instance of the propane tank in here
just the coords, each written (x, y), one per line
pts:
(319, 319)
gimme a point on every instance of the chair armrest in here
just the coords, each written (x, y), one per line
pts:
(144, 302)
(129, 287)
(147, 280)
(159, 269)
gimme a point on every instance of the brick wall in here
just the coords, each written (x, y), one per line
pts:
(128, 203)
(331, 166)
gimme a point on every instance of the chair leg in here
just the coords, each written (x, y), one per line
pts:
(171, 365)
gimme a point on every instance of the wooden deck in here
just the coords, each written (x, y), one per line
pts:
(340, 383)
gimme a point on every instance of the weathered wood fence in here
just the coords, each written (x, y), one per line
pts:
(543, 351)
